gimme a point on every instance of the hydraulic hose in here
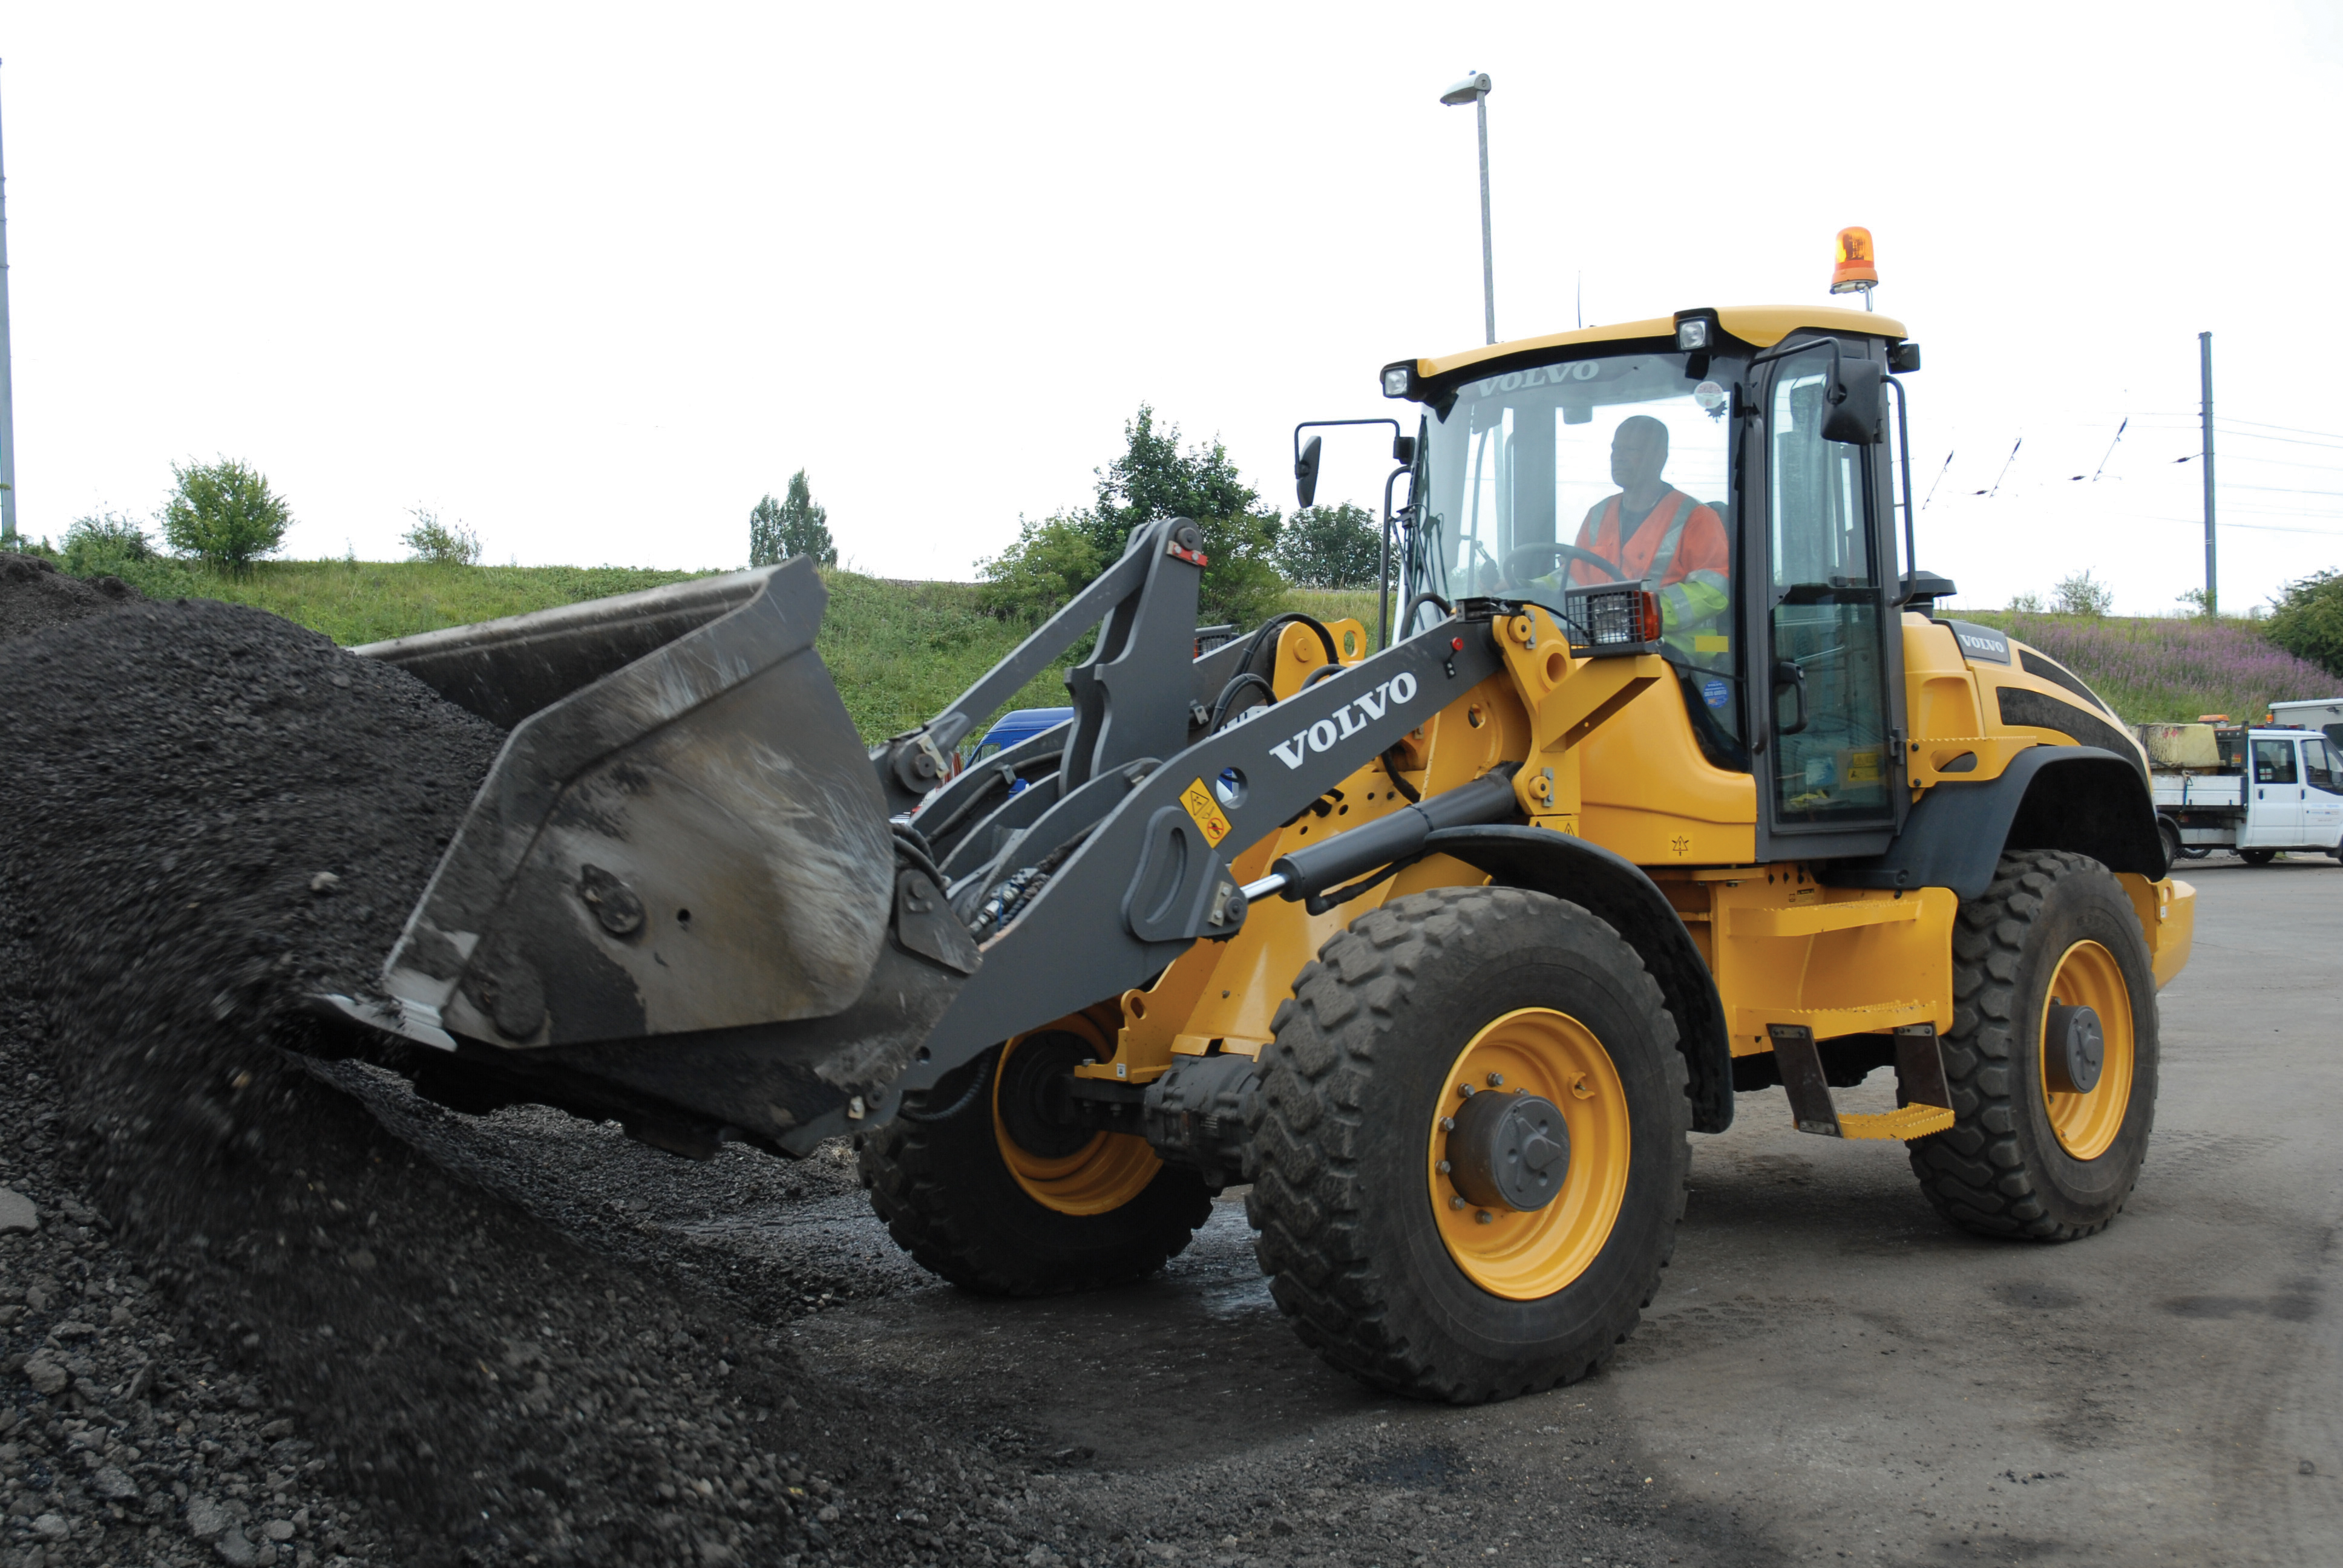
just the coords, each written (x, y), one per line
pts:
(1237, 683)
(1407, 616)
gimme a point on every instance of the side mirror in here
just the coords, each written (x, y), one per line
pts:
(1858, 404)
(1305, 471)
(1403, 449)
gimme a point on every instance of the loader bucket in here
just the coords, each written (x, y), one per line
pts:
(675, 898)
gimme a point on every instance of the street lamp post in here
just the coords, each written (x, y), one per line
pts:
(1475, 90)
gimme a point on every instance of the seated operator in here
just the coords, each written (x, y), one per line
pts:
(1658, 535)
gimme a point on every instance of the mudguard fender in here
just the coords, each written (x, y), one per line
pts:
(1617, 889)
(2077, 798)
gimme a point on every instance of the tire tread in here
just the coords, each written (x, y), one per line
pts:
(1307, 1200)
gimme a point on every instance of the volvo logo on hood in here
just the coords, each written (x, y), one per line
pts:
(1346, 720)
(1980, 642)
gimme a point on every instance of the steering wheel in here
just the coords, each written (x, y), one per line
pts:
(1518, 558)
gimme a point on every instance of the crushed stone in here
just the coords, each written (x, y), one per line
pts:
(35, 595)
(248, 1300)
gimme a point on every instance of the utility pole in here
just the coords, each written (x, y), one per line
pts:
(7, 393)
(1475, 90)
(2212, 573)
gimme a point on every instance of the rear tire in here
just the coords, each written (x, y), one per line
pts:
(2174, 848)
(951, 1199)
(1378, 1270)
(2020, 1160)
(2258, 856)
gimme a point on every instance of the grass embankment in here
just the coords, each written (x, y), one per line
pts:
(368, 601)
(2159, 670)
(898, 650)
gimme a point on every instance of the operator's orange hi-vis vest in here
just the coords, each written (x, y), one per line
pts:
(1700, 545)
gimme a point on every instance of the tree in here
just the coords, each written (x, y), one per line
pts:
(1152, 479)
(444, 544)
(2307, 621)
(1331, 546)
(2081, 594)
(794, 527)
(765, 547)
(224, 514)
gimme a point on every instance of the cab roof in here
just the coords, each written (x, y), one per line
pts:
(1762, 325)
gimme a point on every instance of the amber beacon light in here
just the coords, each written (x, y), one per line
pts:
(1856, 270)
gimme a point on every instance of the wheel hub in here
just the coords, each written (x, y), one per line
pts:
(1509, 1152)
(1027, 1076)
(2073, 1049)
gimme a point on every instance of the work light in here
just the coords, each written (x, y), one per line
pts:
(1608, 620)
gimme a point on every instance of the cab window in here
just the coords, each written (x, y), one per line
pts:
(2274, 762)
(2318, 766)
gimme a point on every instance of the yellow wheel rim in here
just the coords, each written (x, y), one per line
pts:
(1524, 1256)
(2088, 976)
(1101, 1176)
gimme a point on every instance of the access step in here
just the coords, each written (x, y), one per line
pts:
(1919, 1070)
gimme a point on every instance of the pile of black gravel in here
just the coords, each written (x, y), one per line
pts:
(35, 595)
(255, 1326)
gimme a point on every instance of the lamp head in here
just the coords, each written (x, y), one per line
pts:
(1475, 86)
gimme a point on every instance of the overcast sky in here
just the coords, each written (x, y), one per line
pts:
(590, 280)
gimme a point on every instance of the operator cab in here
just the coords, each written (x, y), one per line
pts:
(1735, 466)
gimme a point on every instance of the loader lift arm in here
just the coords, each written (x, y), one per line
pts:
(913, 763)
(1145, 876)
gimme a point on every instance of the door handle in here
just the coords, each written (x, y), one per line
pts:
(1787, 673)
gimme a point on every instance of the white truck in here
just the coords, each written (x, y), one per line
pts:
(2254, 791)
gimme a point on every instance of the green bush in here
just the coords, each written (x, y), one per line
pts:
(1337, 546)
(1243, 585)
(1152, 479)
(225, 515)
(441, 544)
(1052, 561)
(2307, 621)
(103, 545)
(2082, 595)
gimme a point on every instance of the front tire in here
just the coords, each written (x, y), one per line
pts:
(976, 1207)
(2022, 1158)
(1371, 1250)
(2258, 856)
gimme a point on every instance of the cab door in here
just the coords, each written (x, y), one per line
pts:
(1827, 638)
(2322, 795)
(2274, 798)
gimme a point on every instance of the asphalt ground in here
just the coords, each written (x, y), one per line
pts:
(1830, 1374)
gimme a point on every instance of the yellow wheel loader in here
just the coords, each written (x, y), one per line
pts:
(1666, 783)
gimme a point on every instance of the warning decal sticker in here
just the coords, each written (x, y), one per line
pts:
(1207, 813)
